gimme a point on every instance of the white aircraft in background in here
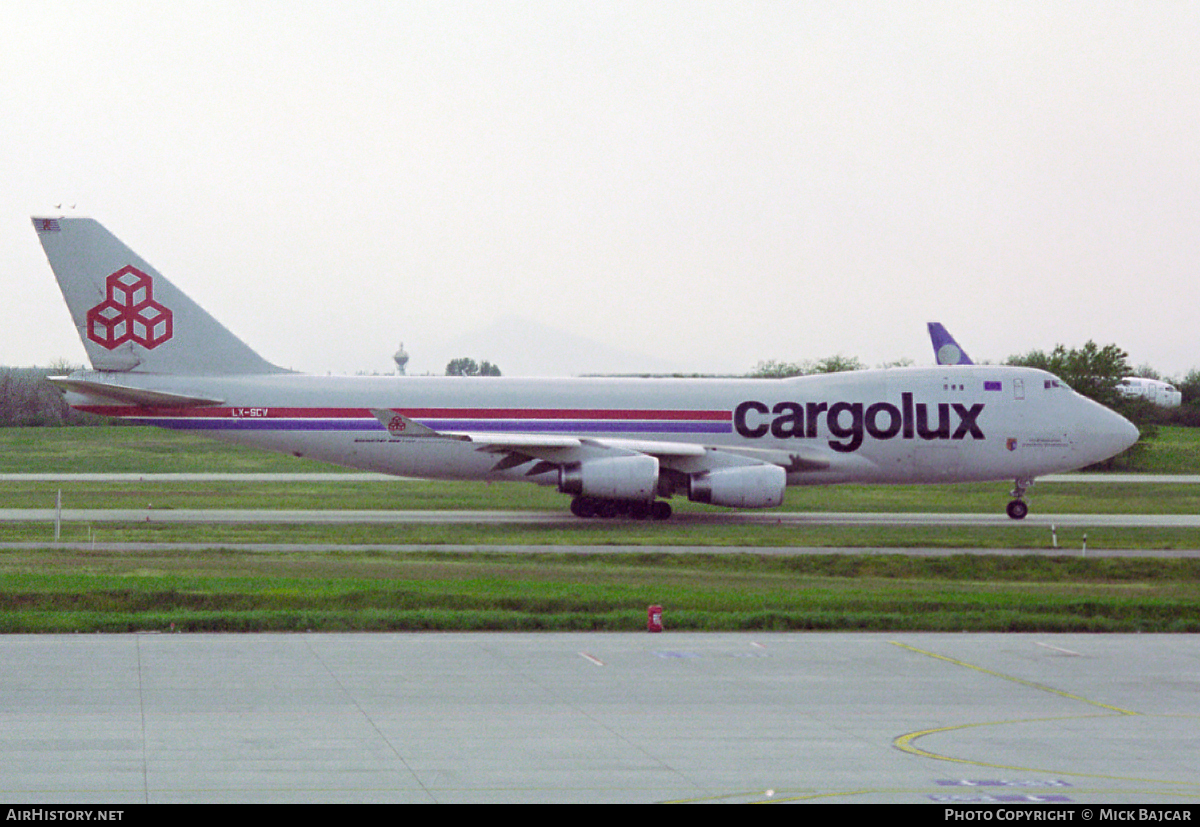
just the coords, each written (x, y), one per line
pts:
(614, 445)
(1163, 394)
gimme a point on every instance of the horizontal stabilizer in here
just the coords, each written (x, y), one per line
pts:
(131, 396)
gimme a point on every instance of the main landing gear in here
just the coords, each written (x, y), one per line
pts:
(588, 507)
(1017, 509)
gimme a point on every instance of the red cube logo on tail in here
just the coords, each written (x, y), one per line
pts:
(129, 313)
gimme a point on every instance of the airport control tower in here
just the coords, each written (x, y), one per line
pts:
(401, 360)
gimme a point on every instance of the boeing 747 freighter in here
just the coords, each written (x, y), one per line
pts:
(617, 447)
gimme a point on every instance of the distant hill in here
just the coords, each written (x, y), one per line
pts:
(521, 347)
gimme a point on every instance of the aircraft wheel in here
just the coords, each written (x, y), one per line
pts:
(660, 510)
(639, 510)
(608, 509)
(1017, 509)
(583, 507)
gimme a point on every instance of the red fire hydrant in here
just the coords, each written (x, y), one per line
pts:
(654, 619)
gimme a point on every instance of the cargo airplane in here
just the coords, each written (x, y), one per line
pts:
(618, 447)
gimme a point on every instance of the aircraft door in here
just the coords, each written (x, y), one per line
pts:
(936, 457)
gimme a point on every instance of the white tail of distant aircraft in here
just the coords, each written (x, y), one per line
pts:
(614, 445)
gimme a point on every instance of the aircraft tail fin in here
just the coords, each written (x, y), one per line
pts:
(945, 348)
(129, 316)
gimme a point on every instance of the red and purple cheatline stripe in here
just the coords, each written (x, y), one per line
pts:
(489, 420)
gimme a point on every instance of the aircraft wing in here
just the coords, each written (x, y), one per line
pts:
(549, 451)
(547, 447)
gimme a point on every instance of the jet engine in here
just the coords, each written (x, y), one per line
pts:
(749, 486)
(613, 478)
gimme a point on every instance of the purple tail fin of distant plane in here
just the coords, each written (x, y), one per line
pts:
(945, 348)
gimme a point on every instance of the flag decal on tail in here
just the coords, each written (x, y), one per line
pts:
(129, 313)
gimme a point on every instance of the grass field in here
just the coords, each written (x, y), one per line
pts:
(54, 589)
(1175, 450)
(67, 591)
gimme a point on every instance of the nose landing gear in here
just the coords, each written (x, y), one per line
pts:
(1017, 508)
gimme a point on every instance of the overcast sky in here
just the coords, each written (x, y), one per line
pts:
(710, 184)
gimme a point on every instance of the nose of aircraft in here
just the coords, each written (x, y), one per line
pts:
(1127, 433)
(1107, 434)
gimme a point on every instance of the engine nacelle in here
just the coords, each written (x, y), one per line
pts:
(613, 478)
(751, 486)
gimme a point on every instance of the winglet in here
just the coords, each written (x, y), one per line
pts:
(945, 348)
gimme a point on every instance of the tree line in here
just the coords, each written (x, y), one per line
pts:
(26, 398)
(1092, 370)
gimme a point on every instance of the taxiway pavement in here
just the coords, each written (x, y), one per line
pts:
(601, 717)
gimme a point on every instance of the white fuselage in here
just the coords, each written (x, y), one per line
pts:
(1160, 393)
(969, 423)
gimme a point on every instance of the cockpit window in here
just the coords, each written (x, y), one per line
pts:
(1055, 383)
